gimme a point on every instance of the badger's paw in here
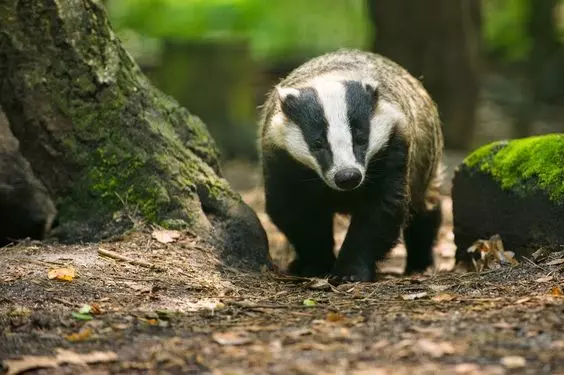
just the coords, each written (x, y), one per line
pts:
(301, 268)
(352, 272)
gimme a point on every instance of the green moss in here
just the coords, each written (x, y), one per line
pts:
(518, 162)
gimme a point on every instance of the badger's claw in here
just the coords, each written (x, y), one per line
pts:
(309, 269)
(352, 272)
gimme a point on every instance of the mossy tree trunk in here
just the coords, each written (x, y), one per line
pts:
(107, 145)
(440, 41)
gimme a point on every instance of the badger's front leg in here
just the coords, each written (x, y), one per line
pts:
(307, 225)
(370, 237)
(374, 230)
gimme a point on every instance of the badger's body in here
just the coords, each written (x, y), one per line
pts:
(352, 132)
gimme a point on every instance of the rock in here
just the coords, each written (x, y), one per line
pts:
(26, 209)
(514, 189)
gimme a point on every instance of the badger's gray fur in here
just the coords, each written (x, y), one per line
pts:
(351, 131)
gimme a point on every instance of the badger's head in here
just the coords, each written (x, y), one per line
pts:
(333, 127)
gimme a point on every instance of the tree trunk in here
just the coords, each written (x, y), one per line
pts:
(541, 81)
(439, 41)
(107, 145)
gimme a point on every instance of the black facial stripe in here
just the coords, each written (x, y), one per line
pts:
(307, 112)
(360, 105)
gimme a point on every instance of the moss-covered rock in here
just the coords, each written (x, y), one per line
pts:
(522, 164)
(512, 188)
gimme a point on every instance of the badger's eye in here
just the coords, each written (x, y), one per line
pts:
(362, 140)
(317, 145)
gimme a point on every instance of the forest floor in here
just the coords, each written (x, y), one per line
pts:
(145, 303)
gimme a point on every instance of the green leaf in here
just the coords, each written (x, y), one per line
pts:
(80, 316)
(309, 302)
(85, 309)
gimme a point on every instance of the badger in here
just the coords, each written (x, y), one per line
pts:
(352, 132)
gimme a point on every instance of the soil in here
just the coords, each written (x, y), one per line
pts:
(166, 305)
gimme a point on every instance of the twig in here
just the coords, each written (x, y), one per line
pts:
(65, 302)
(40, 262)
(141, 263)
(536, 265)
(254, 306)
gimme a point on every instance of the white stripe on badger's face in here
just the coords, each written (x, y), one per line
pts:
(386, 117)
(332, 95)
(284, 132)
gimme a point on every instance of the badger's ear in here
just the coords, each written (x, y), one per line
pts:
(286, 92)
(372, 88)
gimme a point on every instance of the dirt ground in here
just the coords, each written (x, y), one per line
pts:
(170, 308)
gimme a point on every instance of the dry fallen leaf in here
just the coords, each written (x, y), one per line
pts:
(556, 292)
(544, 279)
(439, 288)
(231, 338)
(320, 284)
(504, 325)
(335, 317)
(490, 254)
(443, 297)
(62, 274)
(555, 262)
(165, 236)
(82, 335)
(23, 364)
(435, 349)
(411, 297)
(540, 255)
(513, 361)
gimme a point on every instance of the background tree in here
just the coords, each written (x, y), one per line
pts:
(439, 41)
(108, 146)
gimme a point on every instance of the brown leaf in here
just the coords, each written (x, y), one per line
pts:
(443, 297)
(435, 349)
(165, 236)
(62, 274)
(540, 255)
(504, 325)
(231, 338)
(95, 309)
(82, 335)
(555, 262)
(439, 288)
(319, 284)
(17, 366)
(556, 292)
(513, 361)
(413, 296)
(334, 317)
(544, 279)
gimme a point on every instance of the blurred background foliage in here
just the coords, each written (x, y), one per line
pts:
(273, 28)
(219, 57)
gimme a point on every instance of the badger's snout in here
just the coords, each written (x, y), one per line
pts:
(348, 178)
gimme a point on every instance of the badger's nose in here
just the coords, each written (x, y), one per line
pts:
(348, 179)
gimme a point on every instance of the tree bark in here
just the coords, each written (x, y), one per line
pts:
(109, 146)
(439, 41)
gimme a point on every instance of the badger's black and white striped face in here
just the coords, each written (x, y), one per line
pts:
(334, 127)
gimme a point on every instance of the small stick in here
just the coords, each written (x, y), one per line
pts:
(65, 302)
(111, 254)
